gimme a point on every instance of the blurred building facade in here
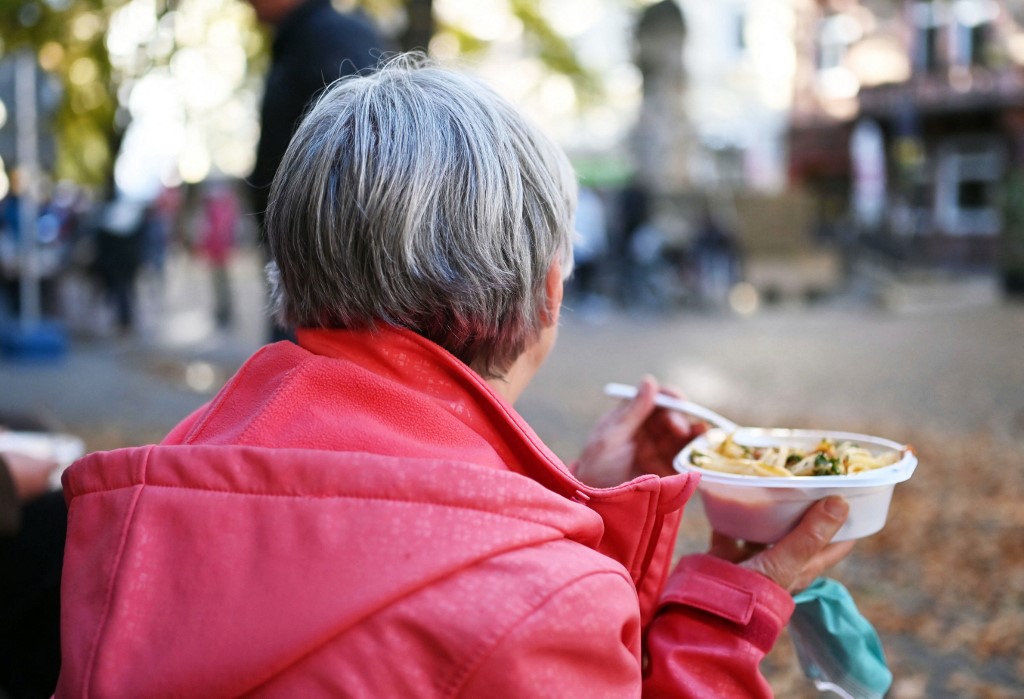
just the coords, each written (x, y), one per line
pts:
(908, 127)
(740, 65)
(716, 158)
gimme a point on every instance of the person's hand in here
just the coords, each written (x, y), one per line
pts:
(634, 438)
(799, 557)
(31, 476)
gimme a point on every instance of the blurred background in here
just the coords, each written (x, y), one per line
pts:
(802, 213)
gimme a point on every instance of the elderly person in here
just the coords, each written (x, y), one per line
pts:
(364, 513)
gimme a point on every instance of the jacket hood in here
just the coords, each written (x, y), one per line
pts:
(253, 539)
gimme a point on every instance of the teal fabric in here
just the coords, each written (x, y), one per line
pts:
(838, 648)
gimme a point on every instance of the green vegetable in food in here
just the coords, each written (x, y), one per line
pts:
(827, 466)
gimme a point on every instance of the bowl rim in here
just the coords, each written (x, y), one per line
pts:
(898, 472)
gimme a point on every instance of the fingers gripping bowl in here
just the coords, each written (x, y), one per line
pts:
(763, 508)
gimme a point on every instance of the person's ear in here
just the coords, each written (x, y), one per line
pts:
(554, 288)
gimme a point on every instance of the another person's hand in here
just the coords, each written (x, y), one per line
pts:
(634, 438)
(31, 476)
(796, 559)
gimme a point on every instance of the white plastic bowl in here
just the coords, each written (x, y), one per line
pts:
(764, 509)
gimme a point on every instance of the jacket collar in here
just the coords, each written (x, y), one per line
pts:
(640, 516)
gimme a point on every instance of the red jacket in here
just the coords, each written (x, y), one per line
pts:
(363, 516)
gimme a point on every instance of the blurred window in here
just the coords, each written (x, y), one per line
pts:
(967, 176)
(955, 33)
(928, 19)
(972, 195)
(970, 31)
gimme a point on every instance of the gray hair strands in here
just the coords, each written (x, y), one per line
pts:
(417, 196)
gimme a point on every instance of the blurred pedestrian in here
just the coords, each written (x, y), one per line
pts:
(364, 513)
(590, 247)
(161, 229)
(218, 230)
(716, 259)
(10, 251)
(120, 239)
(314, 45)
(633, 214)
(51, 251)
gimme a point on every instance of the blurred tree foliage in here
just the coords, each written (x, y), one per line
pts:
(69, 38)
(419, 27)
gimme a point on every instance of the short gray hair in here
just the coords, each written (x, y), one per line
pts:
(417, 196)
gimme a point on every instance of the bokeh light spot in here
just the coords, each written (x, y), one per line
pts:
(744, 299)
(51, 54)
(201, 377)
(83, 71)
(86, 27)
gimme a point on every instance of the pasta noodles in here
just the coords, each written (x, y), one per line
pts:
(828, 458)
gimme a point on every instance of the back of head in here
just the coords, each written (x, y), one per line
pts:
(419, 197)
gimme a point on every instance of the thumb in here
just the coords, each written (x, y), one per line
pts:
(632, 414)
(785, 561)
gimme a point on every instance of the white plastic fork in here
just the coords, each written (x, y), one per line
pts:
(621, 390)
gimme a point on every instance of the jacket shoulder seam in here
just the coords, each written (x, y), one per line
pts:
(203, 422)
(369, 498)
(261, 416)
(90, 666)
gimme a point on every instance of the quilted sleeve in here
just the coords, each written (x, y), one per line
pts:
(714, 624)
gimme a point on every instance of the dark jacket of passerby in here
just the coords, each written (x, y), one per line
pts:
(314, 45)
(120, 238)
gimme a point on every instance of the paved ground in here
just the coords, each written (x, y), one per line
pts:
(114, 390)
(945, 373)
(847, 367)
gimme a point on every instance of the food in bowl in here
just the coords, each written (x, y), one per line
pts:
(745, 495)
(827, 458)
